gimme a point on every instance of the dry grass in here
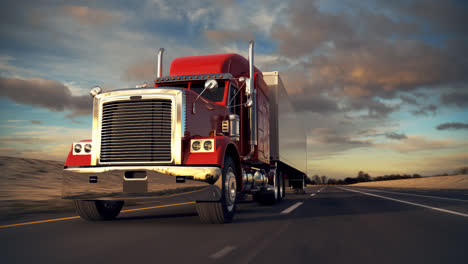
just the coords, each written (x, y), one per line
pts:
(459, 182)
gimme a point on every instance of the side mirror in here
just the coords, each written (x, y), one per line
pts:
(209, 85)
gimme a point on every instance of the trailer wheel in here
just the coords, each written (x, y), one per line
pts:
(280, 187)
(283, 188)
(223, 211)
(98, 210)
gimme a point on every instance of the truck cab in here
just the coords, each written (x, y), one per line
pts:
(200, 134)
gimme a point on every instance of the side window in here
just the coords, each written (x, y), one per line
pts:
(234, 100)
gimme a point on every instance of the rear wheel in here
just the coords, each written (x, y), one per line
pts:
(280, 187)
(223, 211)
(98, 210)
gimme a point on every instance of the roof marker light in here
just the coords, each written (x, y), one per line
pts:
(95, 91)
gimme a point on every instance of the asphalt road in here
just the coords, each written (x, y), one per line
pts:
(325, 225)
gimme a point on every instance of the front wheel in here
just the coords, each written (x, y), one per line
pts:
(222, 211)
(98, 210)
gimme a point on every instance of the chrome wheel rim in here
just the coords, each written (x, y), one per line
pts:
(230, 189)
(276, 187)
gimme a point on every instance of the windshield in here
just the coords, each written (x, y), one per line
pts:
(215, 95)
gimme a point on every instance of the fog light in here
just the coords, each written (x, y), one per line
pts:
(207, 145)
(78, 148)
(196, 145)
(87, 148)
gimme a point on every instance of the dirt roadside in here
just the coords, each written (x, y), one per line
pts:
(456, 182)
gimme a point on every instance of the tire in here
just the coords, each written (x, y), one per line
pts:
(280, 187)
(223, 211)
(284, 189)
(98, 210)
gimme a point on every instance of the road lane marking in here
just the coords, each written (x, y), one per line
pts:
(290, 209)
(312, 194)
(153, 207)
(42, 221)
(321, 189)
(223, 252)
(427, 196)
(75, 217)
(411, 203)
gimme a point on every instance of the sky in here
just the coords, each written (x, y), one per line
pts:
(382, 86)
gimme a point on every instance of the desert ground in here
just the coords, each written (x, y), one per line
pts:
(459, 182)
(31, 185)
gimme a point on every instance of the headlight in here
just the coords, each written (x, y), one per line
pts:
(207, 145)
(82, 148)
(196, 145)
(87, 148)
(78, 148)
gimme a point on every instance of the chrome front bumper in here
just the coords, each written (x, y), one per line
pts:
(110, 183)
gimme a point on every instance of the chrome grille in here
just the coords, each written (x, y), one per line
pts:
(136, 131)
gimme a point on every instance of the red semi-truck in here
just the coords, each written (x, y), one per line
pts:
(214, 131)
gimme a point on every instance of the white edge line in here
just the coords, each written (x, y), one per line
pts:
(415, 204)
(291, 208)
(223, 252)
(427, 196)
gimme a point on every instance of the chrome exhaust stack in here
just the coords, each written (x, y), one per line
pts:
(160, 63)
(252, 95)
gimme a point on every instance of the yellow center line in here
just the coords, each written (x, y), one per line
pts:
(153, 207)
(75, 217)
(38, 222)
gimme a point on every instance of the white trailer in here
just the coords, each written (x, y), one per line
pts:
(288, 144)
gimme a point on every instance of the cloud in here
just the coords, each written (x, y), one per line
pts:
(409, 100)
(459, 99)
(141, 71)
(396, 136)
(414, 143)
(452, 126)
(334, 139)
(91, 16)
(316, 104)
(374, 107)
(448, 17)
(36, 122)
(49, 94)
(425, 110)
(325, 142)
(40, 141)
(229, 36)
(359, 55)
